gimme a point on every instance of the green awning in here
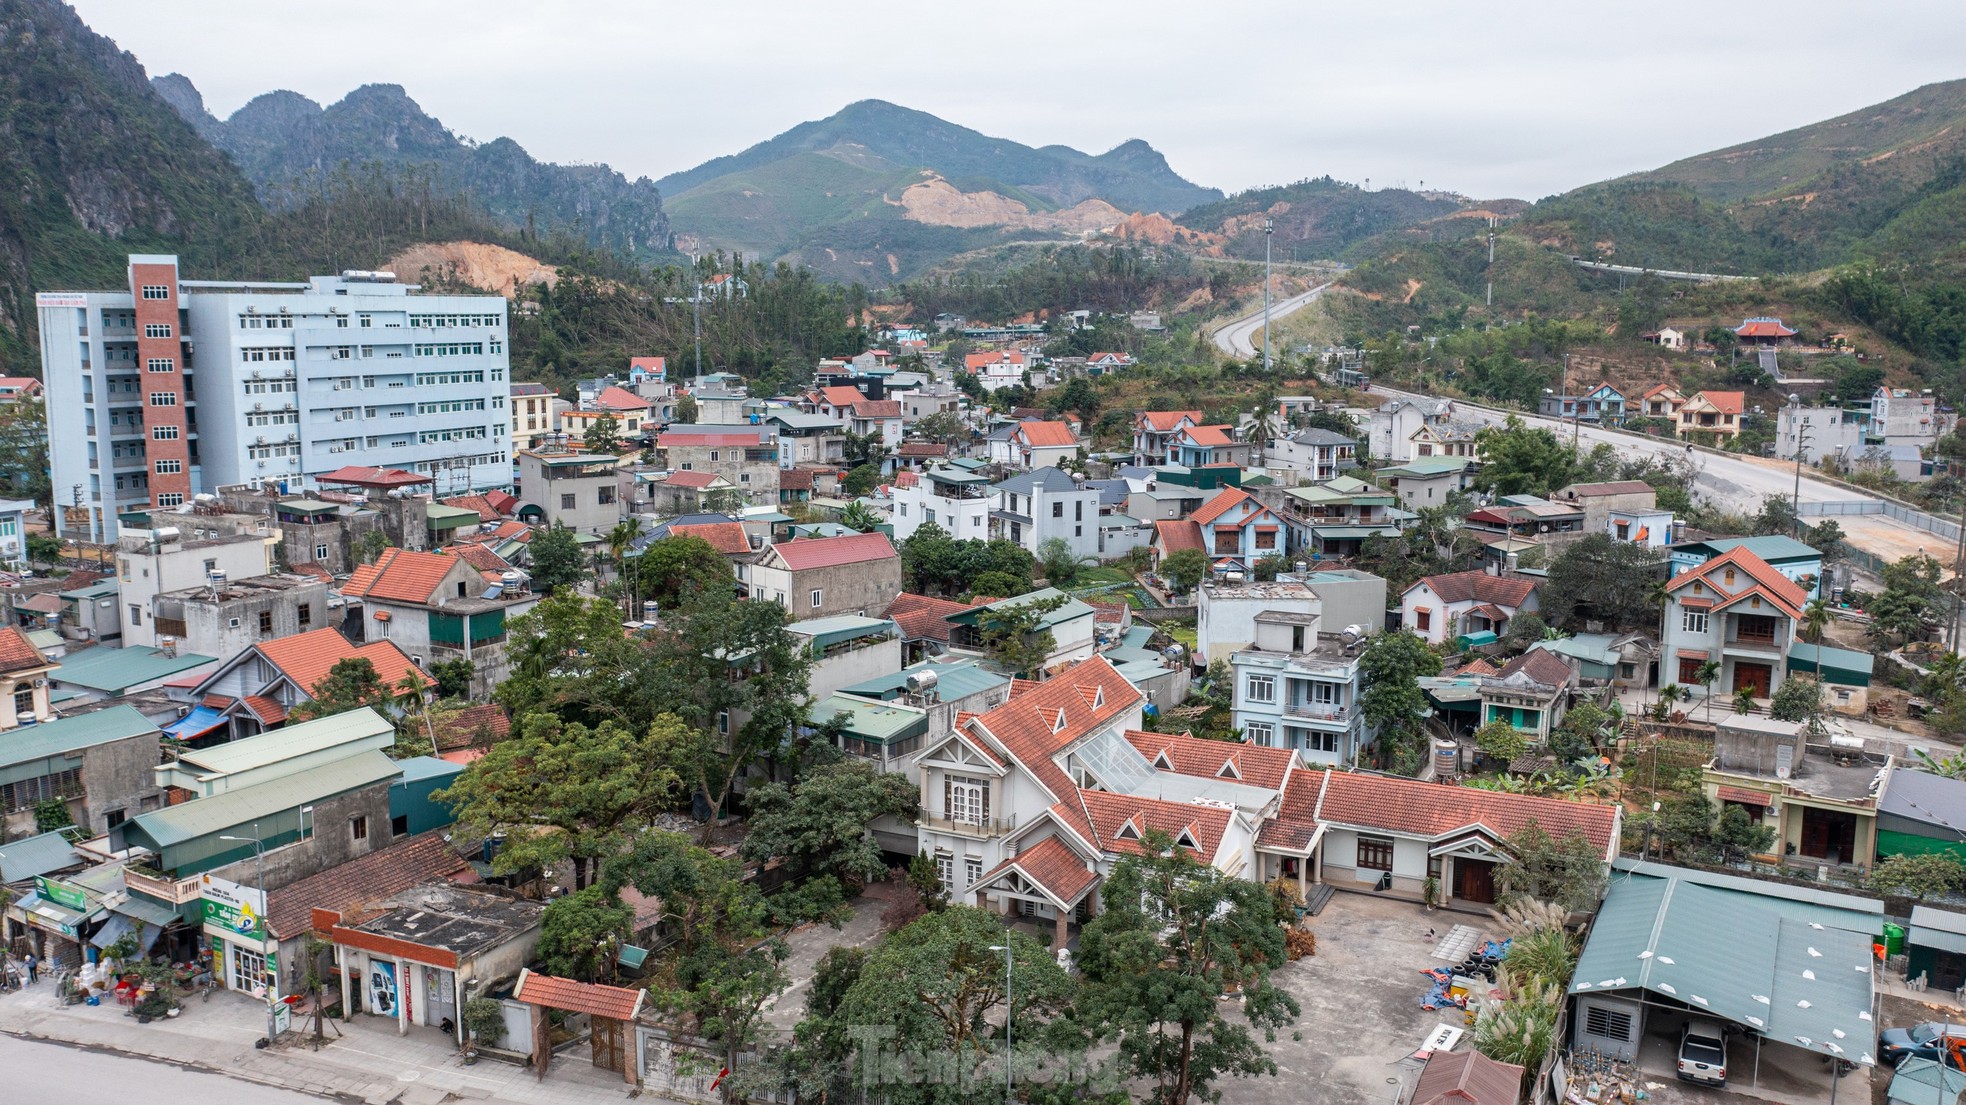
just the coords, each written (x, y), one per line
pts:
(1476, 640)
(632, 957)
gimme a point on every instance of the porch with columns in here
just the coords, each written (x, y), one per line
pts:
(1012, 889)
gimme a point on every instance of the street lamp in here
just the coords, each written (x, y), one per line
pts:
(1009, 1094)
(1269, 228)
(267, 965)
(1801, 438)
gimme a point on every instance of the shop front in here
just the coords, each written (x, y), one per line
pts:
(54, 922)
(234, 919)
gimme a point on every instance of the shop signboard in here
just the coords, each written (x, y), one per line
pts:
(239, 910)
(62, 894)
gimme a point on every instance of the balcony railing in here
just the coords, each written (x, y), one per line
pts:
(987, 827)
(1317, 711)
(174, 891)
(1755, 641)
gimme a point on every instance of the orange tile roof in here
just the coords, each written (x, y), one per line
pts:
(921, 449)
(480, 557)
(1209, 436)
(840, 395)
(362, 882)
(1052, 865)
(1763, 328)
(17, 653)
(1424, 809)
(1046, 434)
(830, 552)
(908, 478)
(728, 538)
(877, 408)
(1784, 592)
(363, 476)
(975, 361)
(1509, 592)
(617, 398)
(1179, 535)
(1027, 725)
(615, 1003)
(1120, 820)
(1726, 402)
(306, 658)
(267, 710)
(464, 728)
(692, 479)
(922, 617)
(1253, 764)
(401, 575)
(1225, 501)
(480, 503)
(1165, 421)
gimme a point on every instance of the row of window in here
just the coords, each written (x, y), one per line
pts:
(271, 387)
(156, 291)
(273, 418)
(448, 406)
(156, 329)
(445, 379)
(259, 353)
(266, 322)
(450, 349)
(268, 452)
(465, 433)
(160, 364)
(433, 467)
(437, 321)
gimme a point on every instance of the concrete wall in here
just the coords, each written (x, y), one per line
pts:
(117, 776)
(866, 660)
(1359, 599)
(231, 625)
(148, 570)
(865, 589)
(330, 841)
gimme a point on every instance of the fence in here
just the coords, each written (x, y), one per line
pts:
(1911, 516)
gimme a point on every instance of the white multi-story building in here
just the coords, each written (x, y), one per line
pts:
(1033, 507)
(172, 387)
(1297, 689)
(957, 501)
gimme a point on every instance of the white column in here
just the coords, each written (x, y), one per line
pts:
(347, 983)
(403, 985)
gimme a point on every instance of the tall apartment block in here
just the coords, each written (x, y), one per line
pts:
(176, 387)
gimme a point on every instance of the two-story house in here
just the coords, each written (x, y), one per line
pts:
(581, 491)
(1712, 412)
(1735, 610)
(1297, 688)
(1390, 429)
(1238, 530)
(1531, 693)
(1899, 416)
(1428, 480)
(1310, 456)
(743, 458)
(1033, 445)
(253, 691)
(957, 501)
(821, 577)
(1031, 508)
(1792, 558)
(805, 438)
(1209, 447)
(1440, 608)
(1662, 401)
(439, 607)
(1153, 434)
(998, 369)
(1603, 403)
(630, 411)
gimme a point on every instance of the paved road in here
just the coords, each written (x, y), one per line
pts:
(1239, 338)
(38, 1071)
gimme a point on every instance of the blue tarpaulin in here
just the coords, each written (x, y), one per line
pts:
(195, 724)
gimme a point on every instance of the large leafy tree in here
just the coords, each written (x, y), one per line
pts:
(1599, 578)
(819, 827)
(1015, 636)
(1175, 936)
(1569, 870)
(349, 685)
(567, 656)
(933, 563)
(1517, 459)
(670, 568)
(1184, 570)
(580, 934)
(562, 792)
(554, 559)
(1392, 702)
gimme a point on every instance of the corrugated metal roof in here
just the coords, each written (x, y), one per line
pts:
(115, 670)
(870, 720)
(953, 681)
(221, 812)
(288, 741)
(70, 734)
(23, 859)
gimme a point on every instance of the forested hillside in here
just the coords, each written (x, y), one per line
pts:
(1318, 219)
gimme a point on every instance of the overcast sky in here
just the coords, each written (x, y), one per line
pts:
(1521, 98)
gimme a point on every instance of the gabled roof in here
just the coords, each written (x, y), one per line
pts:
(1165, 421)
(1179, 535)
(795, 479)
(480, 503)
(1224, 501)
(840, 395)
(306, 658)
(1046, 478)
(1763, 327)
(1725, 402)
(480, 557)
(615, 1003)
(1540, 666)
(831, 552)
(694, 480)
(1046, 434)
(359, 883)
(400, 575)
(1052, 865)
(923, 618)
(1029, 727)
(916, 449)
(1767, 581)
(877, 408)
(728, 538)
(1207, 436)
(1506, 591)
(362, 476)
(464, 728)
(1120, 822)
(617, 398)
(1370, 801)
(1253, 764)
(974, 361)
(1467, 1078)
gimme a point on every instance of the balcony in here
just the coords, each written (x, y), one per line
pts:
(1318, 711)
(174, 891)
(985, 828)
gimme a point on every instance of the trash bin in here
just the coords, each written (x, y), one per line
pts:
(1894, 939)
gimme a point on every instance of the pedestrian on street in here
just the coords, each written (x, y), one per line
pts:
(33, 968)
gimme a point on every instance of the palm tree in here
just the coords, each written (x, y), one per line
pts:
(859, 518)
(1743, 701)
(1668, 694)
(1815, 618)
(1262, 424)
(619, 540)
(1708, 672)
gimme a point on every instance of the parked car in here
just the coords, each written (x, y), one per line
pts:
(1703, 1053)
(1936, 1040)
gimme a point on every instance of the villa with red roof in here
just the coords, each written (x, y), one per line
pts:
(631, 411)
(1101, 363)
(1738, 611)
(1026, 807)
(438, 607)
(1236, 530)
(19, 387)
(1153, 434)
(818, 577)
(1440, 608)
(1712, 412)
(255, 689)
(1033, 445)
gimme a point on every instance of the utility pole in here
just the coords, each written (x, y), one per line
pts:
(1801, 439)
(1491, 260)
(1009, 1094)
(1576, 412)
(1269, 228)
(268, 965)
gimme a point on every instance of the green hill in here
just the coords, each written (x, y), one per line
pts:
(1317, 219)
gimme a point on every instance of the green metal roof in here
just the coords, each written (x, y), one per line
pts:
(115, 670)
(449, 517)
(101, 589)
(1427, 466)
(953, 681)
(1073, 608)
(827, 632)
(971, 463)
(1773, 548)
(1791, 962)
(228, 811)
(32, 743)
(27, 857)
(308, 506)
(868, 720)
(418, 768)
(1832, 665)
(1925, 1082)
(287, 742)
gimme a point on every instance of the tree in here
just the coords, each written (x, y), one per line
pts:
(1392, 701)
(1269, 567)
(43, 548)
(563, 792)
(1707, 673)
(1175, 936)
(1570, 871)
(1059, 563)
(1014, 634)
(620, 540)
(678, 565)
(819, 828)
(727, 964)
(1519, 460)
(1184, 570)
(1799, 698)
(1500, 741)
(1815, 618)
(1744, 699)
(945, 427)
(371, 546)
(24, 452)
(861, 479)
(580, 934)
(350, 684)
(1919, 876)
(1523, 631)
(603, 435)
(1598, 578)
(453, 677)
(859, 518)
(686, 409)
(556, 559)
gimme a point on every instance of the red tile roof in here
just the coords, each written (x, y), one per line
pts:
(1028, 725)
(1467, 1078)
(480, 503)
(305, 658)
(975, 361)
(1119, 821)
(922, 617)
(922, 449)
(17, 653)
(400, 575)
(1046, 434)
(617, 398)
(1052, 865)
(615, 1003)
(877, 408)
(909, 478)
(1726, 402)
(1166, 421)
(1224, 501)
(841, 395)
(1479, 586)
(359, 883)
(1424, 809)
(1480, 665)
(480, 557)
(1253, 764)
(1787, 595)
(831, 552)
(728, 538)
(1763, 328)
(695, 480)
(1179, 535)
(362, 476)
(466, 727)
(708, 441)
(795, 479)
(267, 710)
(1541, 666)
(1208, 436)
(312, 571)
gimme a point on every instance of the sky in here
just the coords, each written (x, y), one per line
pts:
(1524, 98)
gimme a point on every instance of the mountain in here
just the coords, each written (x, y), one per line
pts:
(1326, 219)
(282, 139)
(93, 165)
(878, 191)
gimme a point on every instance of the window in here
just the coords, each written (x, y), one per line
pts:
(248, 969)
(156, 291)
(321, 551)
(1423, 620)
(945, 869)
(265, 622)
(1262, 688)
(1610, 1024)
(159, 364)
(1375, 853)
(163, 433)
(170, 498)
(1260, 732)
(966, 800)
(306, 614)
(723, 722)
(1058, 510)
(817, 597)
(1693, 621)
(566, 502)
(358, 828)
(156, 329)
(399, 825)
(24, 703)
(1315, 741)
(606, 496)
(169, 467)
(163, 398)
